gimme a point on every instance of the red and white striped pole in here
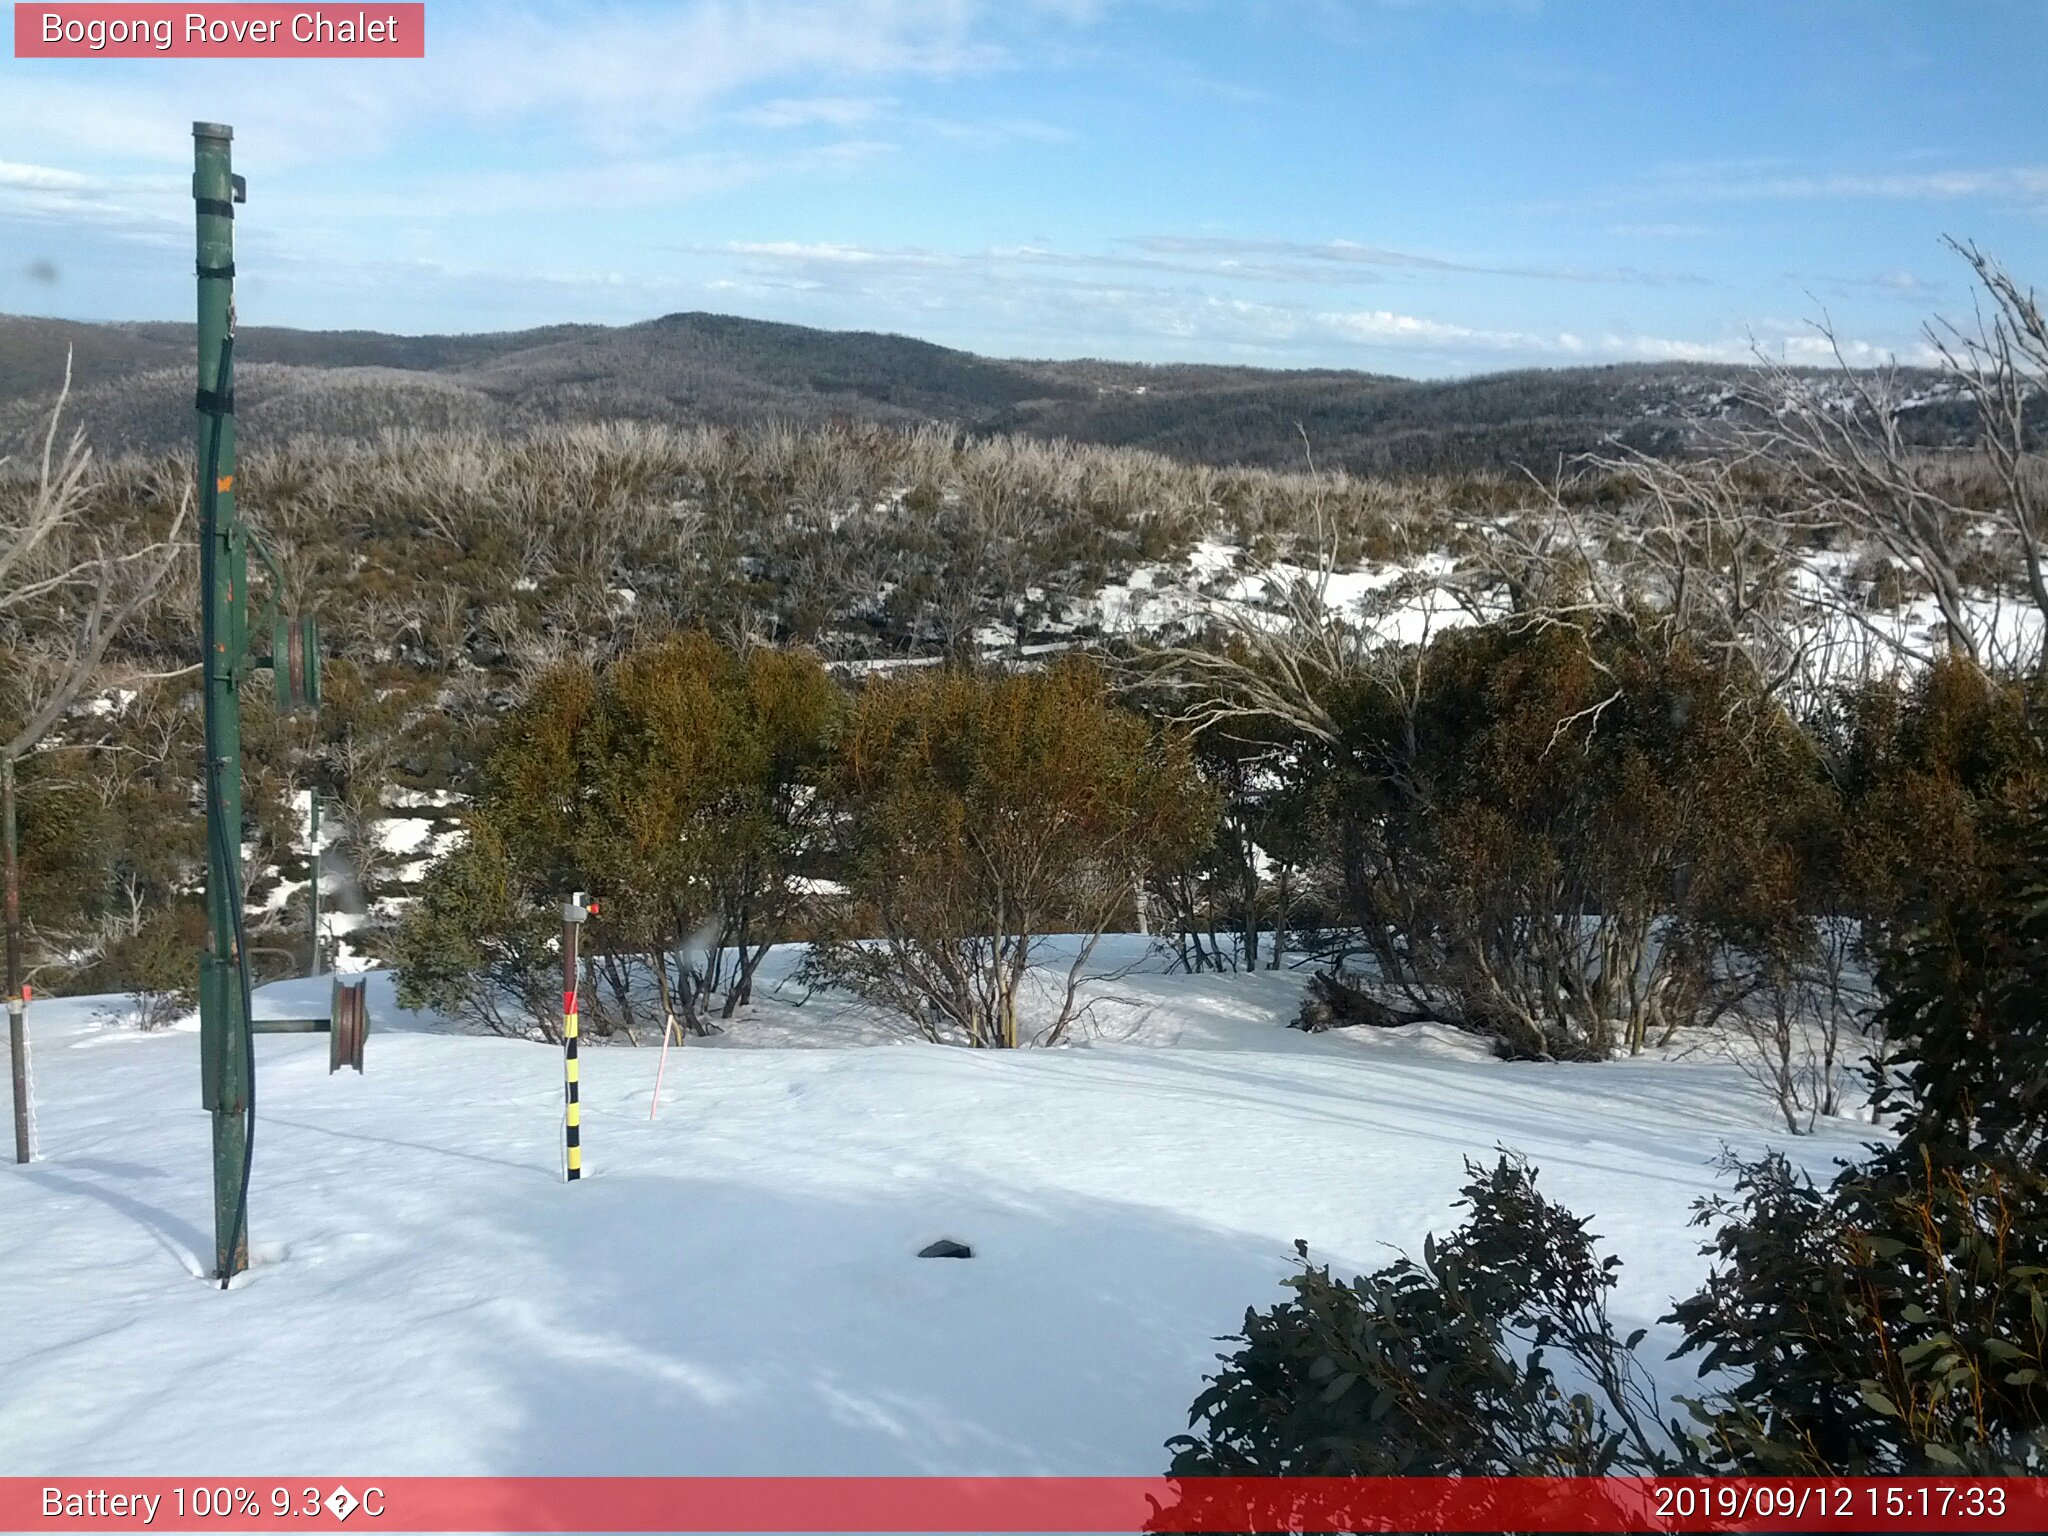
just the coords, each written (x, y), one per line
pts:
(575, 912)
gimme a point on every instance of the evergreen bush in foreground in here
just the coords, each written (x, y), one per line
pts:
(1892, 1322)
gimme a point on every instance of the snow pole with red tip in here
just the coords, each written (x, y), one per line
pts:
(575, 912)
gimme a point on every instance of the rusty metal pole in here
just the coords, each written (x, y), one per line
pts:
(313, 887)
(17, 1002)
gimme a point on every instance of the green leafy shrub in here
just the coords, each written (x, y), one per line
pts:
(978, 813)
(1893, 1322)
(1442, 1367)
(677, 785)
(1897, 1321)
(1555, 840)
(157, 964)
(481, 943)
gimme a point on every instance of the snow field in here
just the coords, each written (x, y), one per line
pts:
(733, 1288)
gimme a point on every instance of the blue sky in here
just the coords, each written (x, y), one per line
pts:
(1416, 187)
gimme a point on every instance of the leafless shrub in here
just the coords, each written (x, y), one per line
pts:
(66, 587)
(150, 1009)
(1841, 453)
(1798, 1032)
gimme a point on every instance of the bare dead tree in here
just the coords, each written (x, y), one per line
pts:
(1273, 647)
(65, 592)
(1694, 555)
(1721, 550)
(1842, 454)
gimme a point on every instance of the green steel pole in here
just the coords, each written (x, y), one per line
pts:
(223, 1030)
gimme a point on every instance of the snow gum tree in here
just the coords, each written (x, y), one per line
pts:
(479, 944)
(980, 813)
(675, 784)
(697, 771)
(1558, 841)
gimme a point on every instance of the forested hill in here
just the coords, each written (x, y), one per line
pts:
(134, 392)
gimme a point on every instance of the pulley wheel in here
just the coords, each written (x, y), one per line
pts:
(295, 666)
(350, 1027)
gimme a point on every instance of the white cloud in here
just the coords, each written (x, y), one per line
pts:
(517, 109)
(813, 111)
(1342, 254)
(1664, 229)
(1088, 300)
(42, 178)
(45, 195)
(1799, 349)
(2018, 183)
(994, 130)
(658, 181)
(630, 80)
(625, 81)
(1332, 264)
(1380, 326)
(835, 254)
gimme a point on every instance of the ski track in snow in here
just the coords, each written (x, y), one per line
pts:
(733, 1289)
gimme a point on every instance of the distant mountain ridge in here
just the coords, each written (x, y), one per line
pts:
(132, 392)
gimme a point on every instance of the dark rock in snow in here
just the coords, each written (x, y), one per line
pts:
(946, 1248)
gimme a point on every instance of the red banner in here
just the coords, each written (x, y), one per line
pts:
(1008, 1504)
(359, 31)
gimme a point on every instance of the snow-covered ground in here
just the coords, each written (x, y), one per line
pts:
(734, 1288)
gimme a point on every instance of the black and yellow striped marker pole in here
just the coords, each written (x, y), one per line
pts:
(575, 912)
